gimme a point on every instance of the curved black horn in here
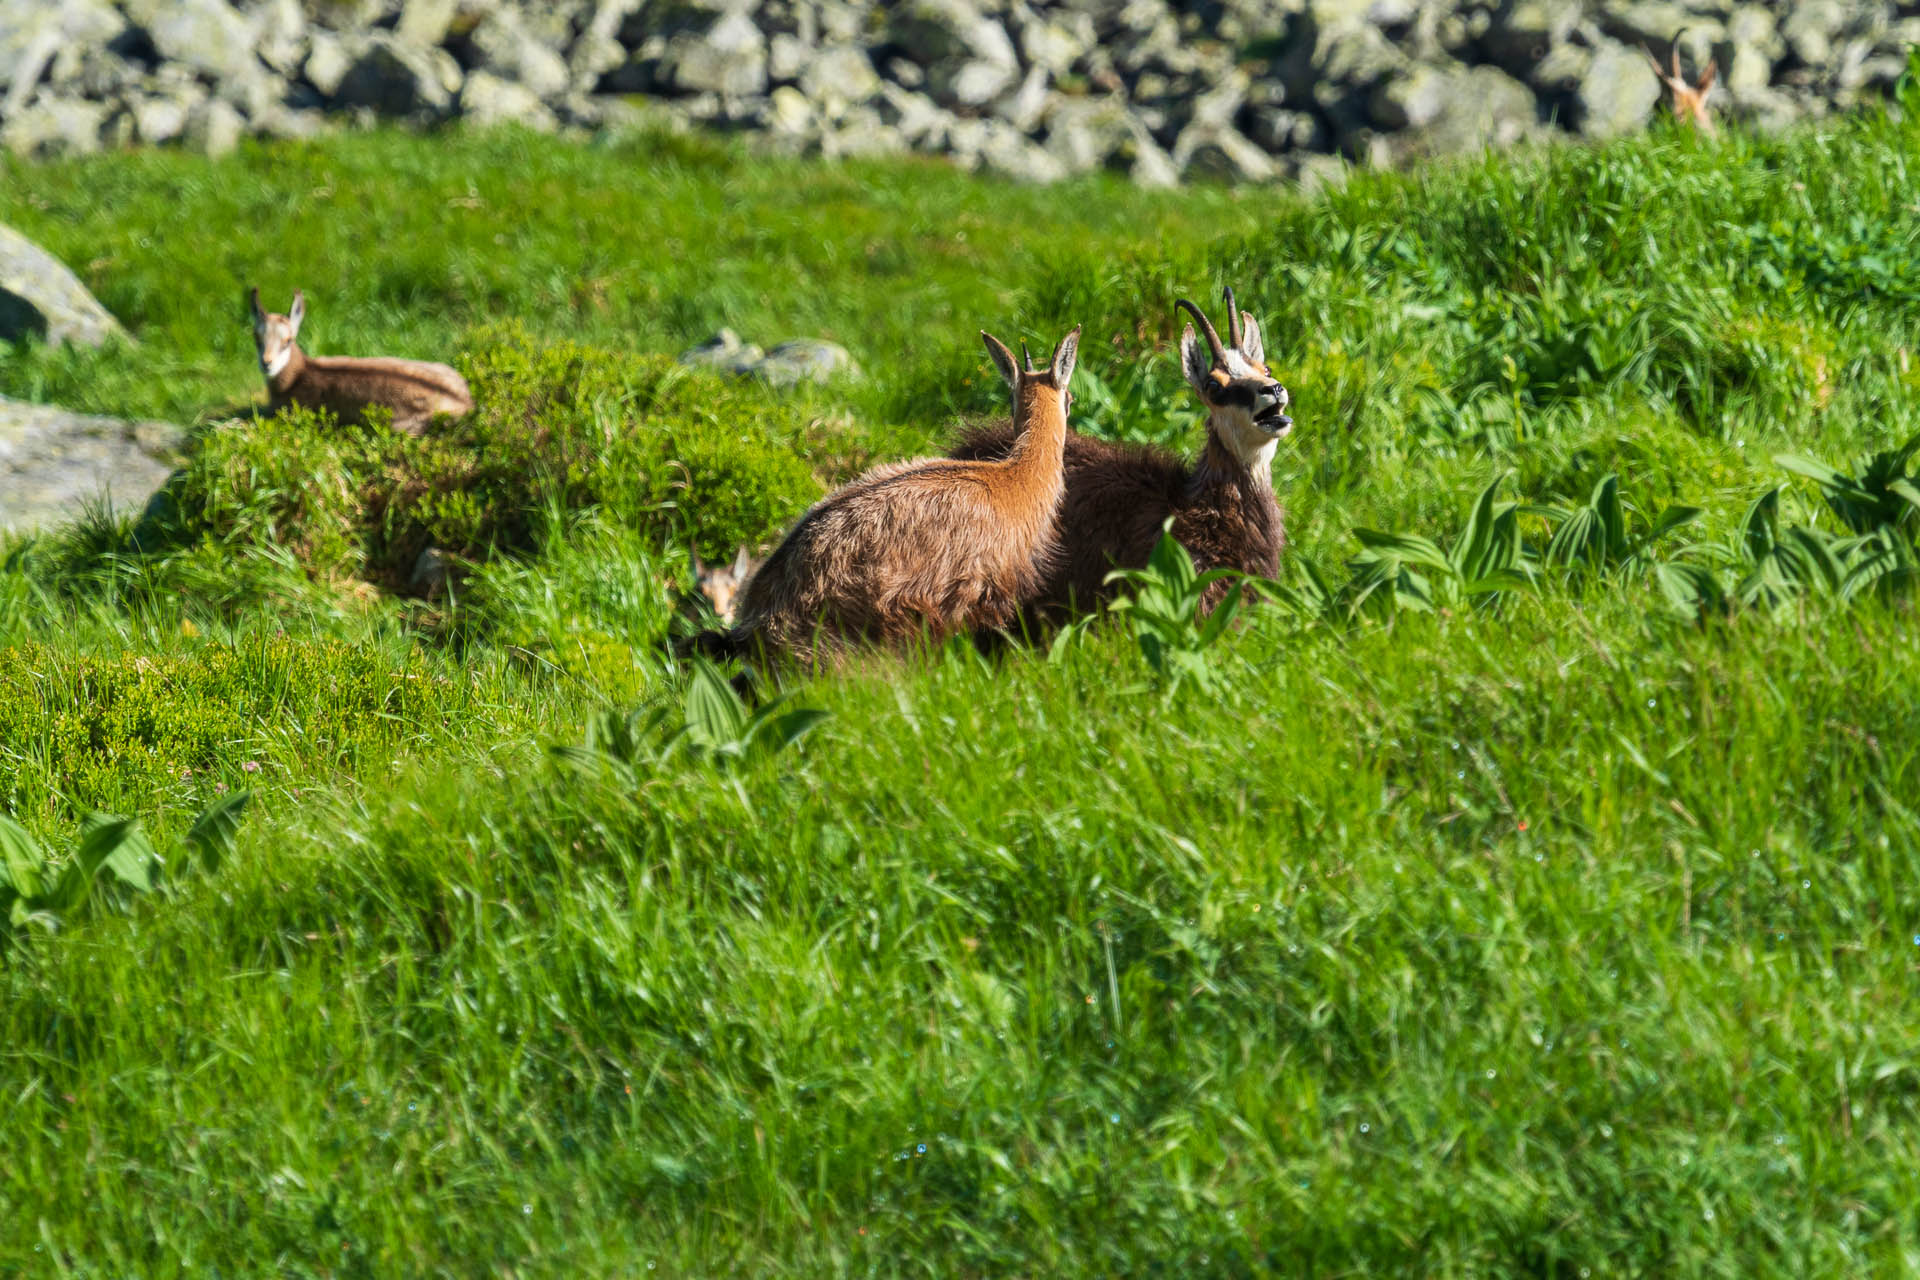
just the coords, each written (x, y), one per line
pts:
(1026, 361)
(1206, 329)
(1233, 319)
(1676, 54)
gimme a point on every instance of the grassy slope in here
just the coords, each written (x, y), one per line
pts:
(1561, 939)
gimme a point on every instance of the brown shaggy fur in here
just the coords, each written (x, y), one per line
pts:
(415, 390)
(1118, 495)
(933, 547)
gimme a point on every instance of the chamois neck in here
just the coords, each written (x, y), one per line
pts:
(1219, 467)
(289, 373)
(1040, 427)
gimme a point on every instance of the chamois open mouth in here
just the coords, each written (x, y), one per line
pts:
(1273, 420)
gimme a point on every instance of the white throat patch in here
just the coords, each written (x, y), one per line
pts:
(279, 362)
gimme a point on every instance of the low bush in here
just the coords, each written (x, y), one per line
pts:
(679, 455)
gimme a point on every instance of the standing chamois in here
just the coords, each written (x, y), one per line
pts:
(1689, 101)
(416, 390)
(1118, 496)
(934, 547)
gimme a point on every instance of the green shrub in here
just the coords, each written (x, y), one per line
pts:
(556, 426)
(128, 732)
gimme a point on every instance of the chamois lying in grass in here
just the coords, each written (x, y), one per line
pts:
(416, 390)
(933, 547)
(1118, 495)
(1689, 101)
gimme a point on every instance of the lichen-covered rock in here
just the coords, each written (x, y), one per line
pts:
(502, 46)
(54, 125)
(399, 79)
(207, 35)
(1618, 93)
(214, 127)
(728, 58)
(486, 99)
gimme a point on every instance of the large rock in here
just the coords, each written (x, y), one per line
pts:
(399, 79)
(1618, 92)
(54, 125)
(38, 295)
(33, 33)
(486, 99)
(207, 35)
(729, 58)
(505, 48)
(1436, 112)
(53, 463)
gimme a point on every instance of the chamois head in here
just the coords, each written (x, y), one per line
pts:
(1246, 405)
(273, 333)
(721, 584)
(1689, 101)
(1029, 384)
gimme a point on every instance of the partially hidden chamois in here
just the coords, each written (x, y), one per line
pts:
(933, 547)
(1689, 101)
(415, 390)
(1119, 495)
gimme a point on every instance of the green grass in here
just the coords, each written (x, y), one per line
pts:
(1555, 937)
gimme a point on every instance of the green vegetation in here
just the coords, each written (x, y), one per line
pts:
(1523, 884)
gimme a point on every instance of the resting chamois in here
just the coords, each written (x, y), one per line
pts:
(416, 390)
(1118, 495)
(1689, 101)
(934, 547)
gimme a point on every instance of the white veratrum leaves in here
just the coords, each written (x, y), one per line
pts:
(1166, 609)
(34, 889)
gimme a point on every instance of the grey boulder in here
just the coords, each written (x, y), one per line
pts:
(38, 295)
(53, 463)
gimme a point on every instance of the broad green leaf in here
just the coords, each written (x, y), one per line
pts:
(213, 833)
(118, 845)
(1405, 547)
(715, 715)
(21, 863)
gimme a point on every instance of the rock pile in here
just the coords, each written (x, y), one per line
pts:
(1163, 89)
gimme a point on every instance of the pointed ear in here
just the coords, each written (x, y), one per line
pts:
(1653, 60)
(1706, 77)
(299, 312)
(742, 563)
(1063, 358)
(1002, 359)
(1250, 344)
(1194, 362)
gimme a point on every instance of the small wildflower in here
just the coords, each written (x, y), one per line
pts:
(253, 766)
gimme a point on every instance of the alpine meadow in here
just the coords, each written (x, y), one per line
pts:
(1523, 881)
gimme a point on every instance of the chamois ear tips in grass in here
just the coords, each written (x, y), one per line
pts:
(1688, 101)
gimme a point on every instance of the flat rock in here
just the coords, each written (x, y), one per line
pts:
(38, 295)
(54, 462)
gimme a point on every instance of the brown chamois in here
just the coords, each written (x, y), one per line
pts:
(416, 390)
(1118, 495)
(933, 547)
(1689, 101)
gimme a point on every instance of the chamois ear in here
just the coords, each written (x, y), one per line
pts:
(1250, 344)
(1194, 361)
(1063, 357)
(1706, 77)
(742, 562)
(299, 312)
(1002, 359)
(259, 314)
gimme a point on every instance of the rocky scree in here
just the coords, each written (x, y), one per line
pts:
(1161, 89)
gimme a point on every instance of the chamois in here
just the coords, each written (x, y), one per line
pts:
(416, 390)
(721, 583)
(1118, 496)
(1689, 101)
(933, 547)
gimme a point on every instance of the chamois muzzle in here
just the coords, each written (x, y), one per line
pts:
(1270, 410)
